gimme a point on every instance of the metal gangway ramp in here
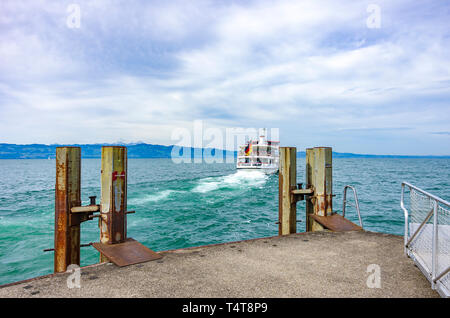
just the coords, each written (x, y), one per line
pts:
(427, 235)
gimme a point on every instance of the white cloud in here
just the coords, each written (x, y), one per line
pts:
(136, 70)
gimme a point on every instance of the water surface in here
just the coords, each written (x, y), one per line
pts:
(182, 205)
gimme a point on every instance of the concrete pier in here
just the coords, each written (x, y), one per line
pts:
(313, 264)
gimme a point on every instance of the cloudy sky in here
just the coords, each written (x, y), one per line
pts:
(324, 72)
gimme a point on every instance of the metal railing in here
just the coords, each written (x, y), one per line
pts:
(427, 236)
(344, 203)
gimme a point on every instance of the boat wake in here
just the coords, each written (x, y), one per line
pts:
(238, 180)
(242, 178)
(153, 197)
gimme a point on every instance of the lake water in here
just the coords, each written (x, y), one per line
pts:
(182, 205)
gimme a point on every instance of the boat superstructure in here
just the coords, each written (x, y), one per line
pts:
(260, 154)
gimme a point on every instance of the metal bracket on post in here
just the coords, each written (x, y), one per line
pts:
(299, 193)
(80, 214)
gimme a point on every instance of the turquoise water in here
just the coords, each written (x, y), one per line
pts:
(182, 205)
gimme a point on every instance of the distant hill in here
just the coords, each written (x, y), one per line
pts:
(141, 150)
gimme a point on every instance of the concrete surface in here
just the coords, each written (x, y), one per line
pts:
(320, 264)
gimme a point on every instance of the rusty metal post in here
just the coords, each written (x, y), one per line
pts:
(319, 178)
(113, 227)
(287, 206)
(67, 195)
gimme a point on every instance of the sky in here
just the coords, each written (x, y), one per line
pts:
(359, 76)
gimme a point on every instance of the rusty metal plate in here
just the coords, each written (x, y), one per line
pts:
(128, 253)
(336, 223)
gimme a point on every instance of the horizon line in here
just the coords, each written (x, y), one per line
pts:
(145, 143)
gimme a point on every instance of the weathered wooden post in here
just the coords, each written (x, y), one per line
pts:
(114, 244)
(318, 193)
(113, 227)
(67, 195)
(309, 158)
(319, 179)
(287, 207)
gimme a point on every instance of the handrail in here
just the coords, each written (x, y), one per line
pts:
(427, 193)
(434, 275)
(405, 215)
(344, 203)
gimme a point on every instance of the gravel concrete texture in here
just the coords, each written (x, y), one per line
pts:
(319, 264)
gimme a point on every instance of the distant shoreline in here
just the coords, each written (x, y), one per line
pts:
(150, 151)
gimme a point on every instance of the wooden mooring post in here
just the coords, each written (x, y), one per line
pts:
(318, 190)
(114, 244)
(319, 178)
(113, 222)
(287, 209)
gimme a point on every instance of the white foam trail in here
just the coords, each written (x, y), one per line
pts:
(242, 178)
(206, 186)
(153, 197)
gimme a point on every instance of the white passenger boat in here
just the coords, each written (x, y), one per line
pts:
(261, 154)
